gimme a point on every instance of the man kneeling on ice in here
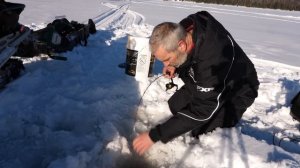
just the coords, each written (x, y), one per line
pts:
(220, 80)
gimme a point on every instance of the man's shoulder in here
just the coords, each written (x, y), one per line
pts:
(186, 23)
(190, 21)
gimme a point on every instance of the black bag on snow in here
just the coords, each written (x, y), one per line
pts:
(9, 17)
(295, 108)
(58, 36)
(62, 35)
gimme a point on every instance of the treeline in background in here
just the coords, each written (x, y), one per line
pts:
(273, 4)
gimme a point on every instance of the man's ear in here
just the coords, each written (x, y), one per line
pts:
(182, 45)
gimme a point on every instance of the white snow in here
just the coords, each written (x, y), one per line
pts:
(85, 112)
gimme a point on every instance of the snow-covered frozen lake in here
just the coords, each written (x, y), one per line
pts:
(83, 113)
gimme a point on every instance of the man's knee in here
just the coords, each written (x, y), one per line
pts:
(211, 125)
(233, 112)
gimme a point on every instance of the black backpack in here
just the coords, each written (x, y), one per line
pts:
(295, 108)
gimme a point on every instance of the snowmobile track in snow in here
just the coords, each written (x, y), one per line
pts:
(120, 16)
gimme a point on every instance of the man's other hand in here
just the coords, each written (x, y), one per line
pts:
(142, 143)
(169, 71)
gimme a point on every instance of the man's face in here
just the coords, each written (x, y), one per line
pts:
(174, 58)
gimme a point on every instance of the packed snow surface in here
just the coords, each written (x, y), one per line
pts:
(85, 112)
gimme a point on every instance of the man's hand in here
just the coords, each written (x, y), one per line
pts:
(142, 143)
(169, 71)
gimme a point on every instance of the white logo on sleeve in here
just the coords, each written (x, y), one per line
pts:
(203, 89)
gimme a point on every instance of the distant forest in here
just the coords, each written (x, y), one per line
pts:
(273, 4)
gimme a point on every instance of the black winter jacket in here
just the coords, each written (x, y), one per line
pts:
(216, 68)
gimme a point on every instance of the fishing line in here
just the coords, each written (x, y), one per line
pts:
(147, 89)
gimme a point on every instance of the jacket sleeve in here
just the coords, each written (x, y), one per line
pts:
(196, 114)
(175, 126)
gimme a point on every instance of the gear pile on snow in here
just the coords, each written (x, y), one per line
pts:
(17, 40)
(59, 36)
